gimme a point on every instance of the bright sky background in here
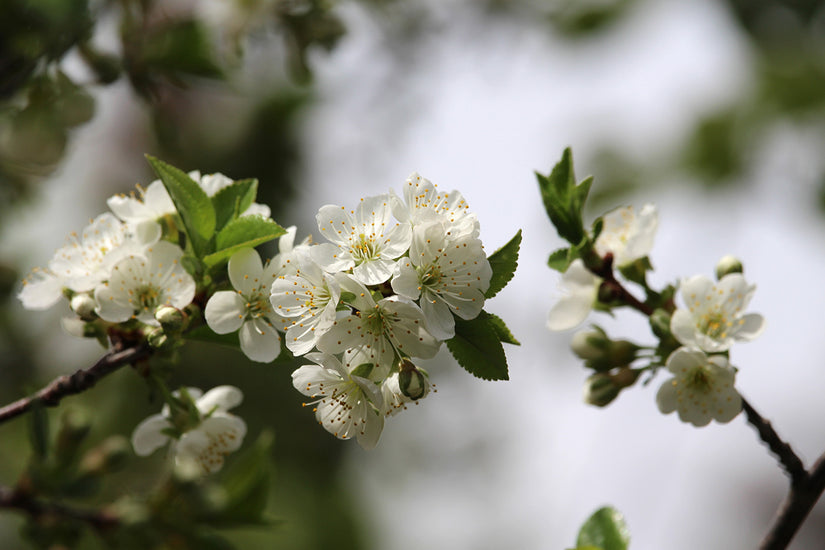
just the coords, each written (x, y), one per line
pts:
(521, 464)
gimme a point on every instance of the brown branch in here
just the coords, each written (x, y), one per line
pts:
(15, 499)
(82, 380)
(789, 460)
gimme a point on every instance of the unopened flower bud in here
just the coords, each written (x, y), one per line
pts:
(602, 388)
(413, 381)
(660, 324)
(589, 344)
(170, 318)
(84, 305)
(728, 264)
(156, 337)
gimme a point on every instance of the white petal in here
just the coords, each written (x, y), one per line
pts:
(331, 258)
(246, 270)
(149, 435)
(371, 430)
(683, 327)
(405, 279)
(260, 341)
(225, 311)
(440, 320)
(336, 223)
(752, 325)
(41, 290)
(570, 311)
(221, 397)
(373, 272)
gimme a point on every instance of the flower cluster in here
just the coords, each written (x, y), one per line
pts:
(694, 340)
(389, 281)
(385, 288)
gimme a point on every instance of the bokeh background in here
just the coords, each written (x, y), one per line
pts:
(713, 110)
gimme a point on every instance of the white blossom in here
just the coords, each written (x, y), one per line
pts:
(713, 317)
(626, 235)
(424, 203)
(701, 389)
(449, 275)
(140, 284)
(346, 405)
(217, 434)
(366, 240)
(383, 331)
(86, 260)
(307, 301)
(580, 288)
(247, 308)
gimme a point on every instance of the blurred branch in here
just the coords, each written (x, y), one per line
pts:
(787, 457)
(80, 381)
(15, 499)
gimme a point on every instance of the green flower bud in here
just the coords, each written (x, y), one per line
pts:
(728, 264)
(602, 388)
(170, 318)
(74, 427)
(156, 337)
(84, 305)
(413, 381)
(590, 344)
(660, 324)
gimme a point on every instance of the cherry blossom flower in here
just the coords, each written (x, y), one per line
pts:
(247, 308)
(423, 203)
(307, 302)
(580, 288)
(449, 276)
(626, 235)
(701, 389)
(346, 405)
(383, 331)
(215, 435)
(86, 259)
(140, 284)
(714, 318)
(366, 240)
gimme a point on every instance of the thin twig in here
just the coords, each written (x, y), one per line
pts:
(789, 460)
(14, 499)
(82, 380)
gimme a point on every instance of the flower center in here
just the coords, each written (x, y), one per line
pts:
(257, 305)
(698, 380)
(714, 324)
(148, 297)
(430, 276)
(365, 249)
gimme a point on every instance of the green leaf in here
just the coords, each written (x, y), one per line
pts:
(605, 529)
(503, 333)
(563, 199)
(192, 203)
(181, 47)
(231, 201)
(245, 232)
(477, 347)
(503, 262)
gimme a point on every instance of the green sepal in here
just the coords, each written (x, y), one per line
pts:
(246, 481)
(636, 271)
(503, 333)
(193, 266)
(363, 370)
(191, 202)
(560, 259)
(477, 347)
(605, 529)
(503, 262)
(347, 297)
(564, 199)
(245, 232)
(231, 201)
